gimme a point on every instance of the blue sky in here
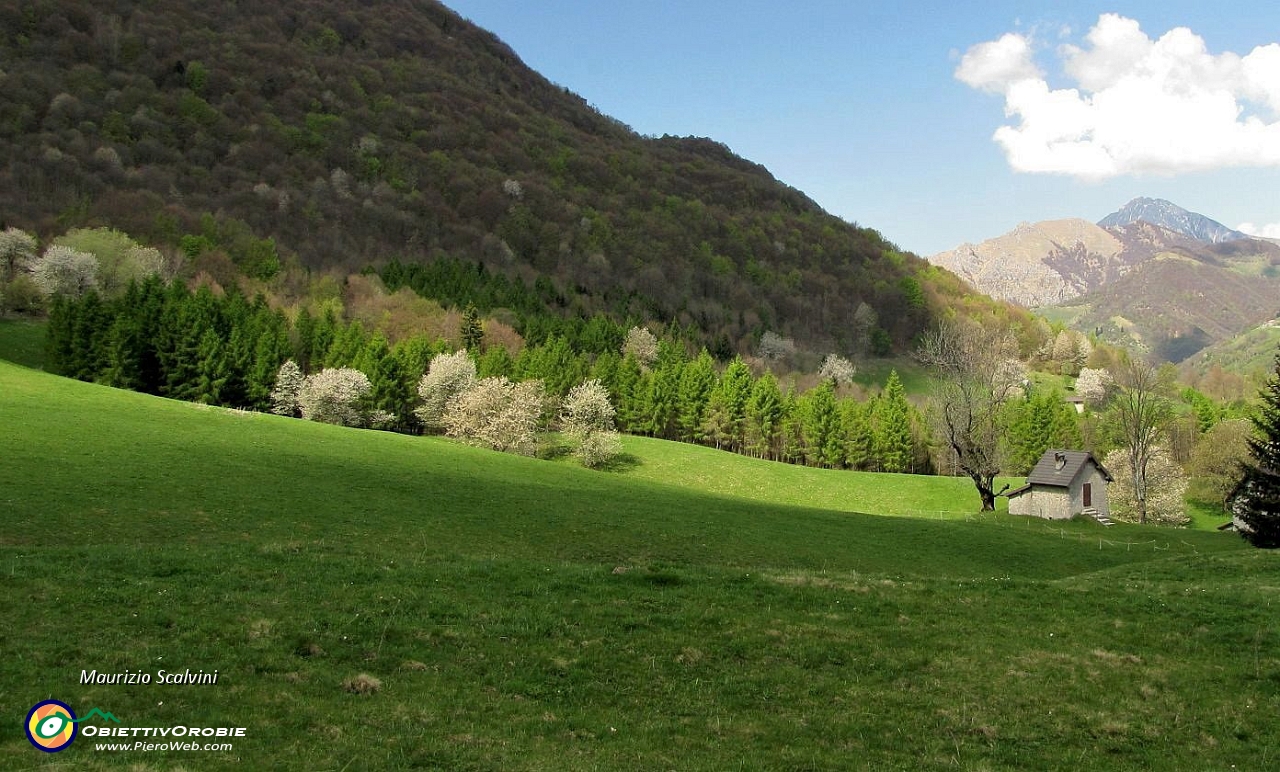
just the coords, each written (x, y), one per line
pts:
(859, 104)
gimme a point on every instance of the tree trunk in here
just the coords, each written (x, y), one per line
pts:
(986, 490)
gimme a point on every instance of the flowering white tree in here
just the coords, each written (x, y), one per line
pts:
(498, 414)
(66, 271)
(336, 396)
(838, 369)
(1092, 386)
(587, 419)
(641, 344)
(1166, 485)
(17, 253)
(448, 376)
(284, 397)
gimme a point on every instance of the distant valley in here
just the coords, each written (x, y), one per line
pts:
(1151, 275)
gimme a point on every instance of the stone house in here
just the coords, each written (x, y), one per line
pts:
(1063, 484)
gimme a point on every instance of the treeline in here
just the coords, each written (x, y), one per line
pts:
(226, 349)
(540, 312)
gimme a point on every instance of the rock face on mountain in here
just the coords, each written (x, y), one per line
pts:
(1172, 217)
(1171, 284)
(1039, 264)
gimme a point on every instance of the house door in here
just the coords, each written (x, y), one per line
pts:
(1088, 495)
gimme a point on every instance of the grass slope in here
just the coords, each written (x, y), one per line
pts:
(23, 341)
(530, 615)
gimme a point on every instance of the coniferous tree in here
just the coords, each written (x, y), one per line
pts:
(213, 370)
(894, 448)
(859, 440)
(1256, 501)
(696, 381)
(824, 442)
(727, 407)
(764, 418)
(304, 329)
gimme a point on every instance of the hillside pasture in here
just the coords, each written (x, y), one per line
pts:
(523, 614)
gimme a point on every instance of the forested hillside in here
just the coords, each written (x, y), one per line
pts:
(337, 135)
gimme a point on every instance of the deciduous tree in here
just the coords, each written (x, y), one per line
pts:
(498, 414)
(65, 271)
(1162, 502)
(449, 376)
(336, 396)
(1141, 410)
(587, 419)
(973, 383)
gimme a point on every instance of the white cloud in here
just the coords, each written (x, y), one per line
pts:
(999, 64)
(1139, 105)
(1270, 231)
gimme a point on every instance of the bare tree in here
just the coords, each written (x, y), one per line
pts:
(1141, 413)
(974, 381)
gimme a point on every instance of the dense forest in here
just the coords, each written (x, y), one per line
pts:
(330, 136)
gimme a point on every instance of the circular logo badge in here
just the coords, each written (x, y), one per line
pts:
(51, 726)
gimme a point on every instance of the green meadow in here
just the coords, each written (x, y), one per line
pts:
(687, 609)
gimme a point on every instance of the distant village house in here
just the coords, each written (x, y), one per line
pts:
(1063, 484)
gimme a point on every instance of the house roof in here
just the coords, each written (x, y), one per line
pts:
(1057, 468)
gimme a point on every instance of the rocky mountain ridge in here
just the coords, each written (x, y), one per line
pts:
(1171, 285)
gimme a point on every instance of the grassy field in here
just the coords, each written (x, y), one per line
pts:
(22, 341)
(521, 614)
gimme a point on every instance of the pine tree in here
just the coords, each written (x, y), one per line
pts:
(1256, 502)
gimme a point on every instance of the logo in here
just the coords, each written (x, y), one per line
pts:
(51, 726)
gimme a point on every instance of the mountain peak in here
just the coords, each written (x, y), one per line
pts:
(1170, 216)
